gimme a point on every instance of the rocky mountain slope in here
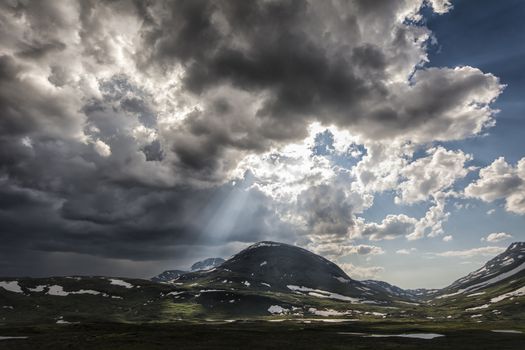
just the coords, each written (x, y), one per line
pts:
(507, 265)
(495, 290)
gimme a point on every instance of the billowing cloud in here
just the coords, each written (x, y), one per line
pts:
(428, 176)
(501, 180)
(496, 237)
(257, 74)
(392, 226)
(441, 6)
(401, 225)
(328, 209)
(432, 223)
(361, 272)
(335, 247)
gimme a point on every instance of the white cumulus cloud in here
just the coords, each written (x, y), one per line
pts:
(496, 237)
(501, 180)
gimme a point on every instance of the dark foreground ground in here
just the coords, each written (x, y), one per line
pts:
(259, 335)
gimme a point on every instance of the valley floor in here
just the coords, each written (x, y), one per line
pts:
(263, 335)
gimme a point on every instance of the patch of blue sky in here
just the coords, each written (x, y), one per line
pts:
(384, 205)
(324, 146)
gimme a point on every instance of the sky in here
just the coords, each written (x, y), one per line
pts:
(137, 136)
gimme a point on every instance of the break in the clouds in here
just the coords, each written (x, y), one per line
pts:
(143, 131)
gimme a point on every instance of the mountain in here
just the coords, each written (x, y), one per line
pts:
(171, 275)
(413, 294)
(207, 264)
(508, 265)
(266, 280)
(168, 276)
(279, 267)
(495, 291)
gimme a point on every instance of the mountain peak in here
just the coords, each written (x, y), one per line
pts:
(207, 264)
(516, 246)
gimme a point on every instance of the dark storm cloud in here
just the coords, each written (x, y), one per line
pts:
(266, 48)
(121, 121)
(301, 62)
(138, 224)
(60, 195)
(25, 108)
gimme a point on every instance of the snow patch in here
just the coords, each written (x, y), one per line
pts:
(486, 306)
(408, 335)
(322, 293)
(59, 291)
(506, 331)
(516, 293)
(7, 338)
(120, 283)
(263, 263)
(38, 289)
(327, 312)
(342, 279)
(264, 244)
(276, 309)
(11, 286)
